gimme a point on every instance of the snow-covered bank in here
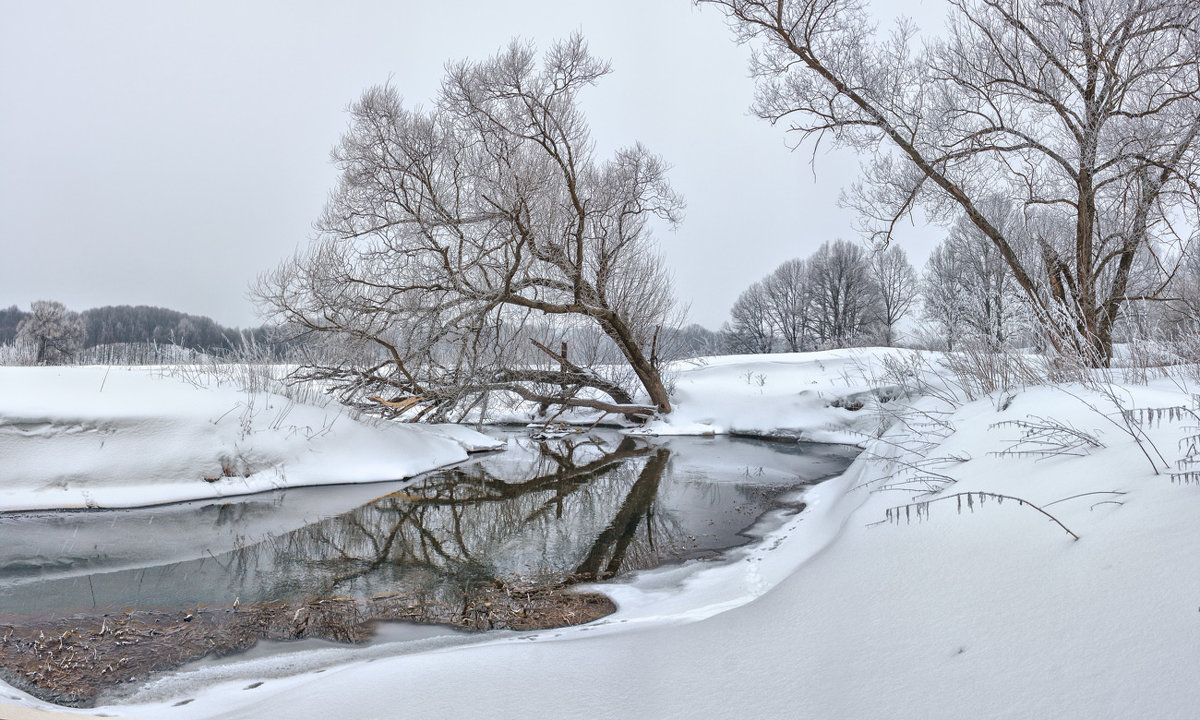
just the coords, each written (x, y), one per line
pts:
(864, 605)
(815, 397)
(810, 397)
(121, 437)
(988, 611)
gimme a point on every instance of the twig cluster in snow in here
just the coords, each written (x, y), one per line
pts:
(1046, 437)
(906, 462)
(1187, 467)
(908, 444)
(1126, 419)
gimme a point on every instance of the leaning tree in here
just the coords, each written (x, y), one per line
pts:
(479, 246)
(1084, 113)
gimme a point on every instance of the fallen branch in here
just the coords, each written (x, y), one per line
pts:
(919, 508)
(398, 405)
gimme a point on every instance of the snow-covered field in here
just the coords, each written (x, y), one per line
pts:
(862, 606)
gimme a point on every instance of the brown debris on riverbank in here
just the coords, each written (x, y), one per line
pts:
(71, 659)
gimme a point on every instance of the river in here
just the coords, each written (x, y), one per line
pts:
(496, 542)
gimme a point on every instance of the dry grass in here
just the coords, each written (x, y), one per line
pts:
(73, 659)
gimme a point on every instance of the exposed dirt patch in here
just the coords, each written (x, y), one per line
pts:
(70, 659)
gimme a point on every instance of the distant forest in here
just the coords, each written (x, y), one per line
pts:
(144, 324)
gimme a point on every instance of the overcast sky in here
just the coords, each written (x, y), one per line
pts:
(164, 153)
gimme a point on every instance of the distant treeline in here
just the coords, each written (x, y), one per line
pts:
(145, 324)
(9, 320)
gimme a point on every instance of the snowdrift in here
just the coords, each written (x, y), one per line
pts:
(812, 397)
(75, 437)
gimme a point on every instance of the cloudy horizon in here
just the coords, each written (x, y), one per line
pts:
(163, 155)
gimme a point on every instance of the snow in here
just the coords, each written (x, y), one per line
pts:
(121, 437)
(991, 611)
(800, 396)
(163, 534)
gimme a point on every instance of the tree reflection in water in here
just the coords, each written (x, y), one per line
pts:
(561, 510)
(488, 545)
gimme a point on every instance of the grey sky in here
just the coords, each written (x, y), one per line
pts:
(165, 153)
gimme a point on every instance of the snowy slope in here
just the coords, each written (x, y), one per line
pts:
(121, 437)
(816, 397)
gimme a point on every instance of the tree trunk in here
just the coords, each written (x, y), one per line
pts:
(651, 379)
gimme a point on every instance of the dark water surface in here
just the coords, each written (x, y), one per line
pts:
(584, 507)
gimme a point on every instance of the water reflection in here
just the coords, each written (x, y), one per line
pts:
(544, 511)
(560, 510)
(92, 600)
(614, 541)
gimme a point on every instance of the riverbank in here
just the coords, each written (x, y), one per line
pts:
(1016, 554)
(72, 658)
(97, 602)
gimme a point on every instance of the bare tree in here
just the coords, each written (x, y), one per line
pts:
(1183, 312)
(750, 329)
(10, 318)
(466, 244)
(995, 311)
(941, 292)
(53, 332)
(828, 300)
(789, 304)
(1084, 112)
(897, 283)
(694, 341)
(845, 300)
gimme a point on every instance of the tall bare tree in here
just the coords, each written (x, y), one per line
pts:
(942, 297)
(897, 284)
(995, 312)
(465, 244)
(830, 299)
(1083, 112)
(750, 329)
(789, 304)
(845, 302)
